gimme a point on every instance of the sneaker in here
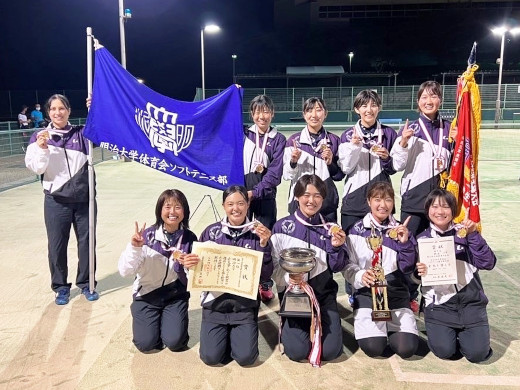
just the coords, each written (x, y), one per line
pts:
(62, 296)
(91, 296)
(266, 292)
(414, 305)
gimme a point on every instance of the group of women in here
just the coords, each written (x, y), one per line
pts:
(160, 257)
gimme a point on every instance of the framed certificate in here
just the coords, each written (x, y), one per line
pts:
(439, 256)
(226, 268)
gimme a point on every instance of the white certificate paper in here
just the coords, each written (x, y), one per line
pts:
(226, 268)
(439, 255)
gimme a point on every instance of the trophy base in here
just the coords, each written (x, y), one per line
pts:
(295, 305)
(381, 315)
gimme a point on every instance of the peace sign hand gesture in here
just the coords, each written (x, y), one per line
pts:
(137, 239)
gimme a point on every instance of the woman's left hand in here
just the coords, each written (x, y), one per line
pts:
(88, 101)
(338, 238)
(327, 155)
(469, 225)
(263, 233)
(189, 260)
(453, 133)
(382, 152)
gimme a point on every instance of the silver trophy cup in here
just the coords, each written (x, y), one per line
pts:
(296, 303)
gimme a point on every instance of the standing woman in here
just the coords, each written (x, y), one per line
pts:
(263, 165)
(229, 327)
(306, 228)
(59, 153)
(155, 257)
(397, 258)
(263, 161)
(455, 314)
(423, 151)
(314, 151)
(364, 157)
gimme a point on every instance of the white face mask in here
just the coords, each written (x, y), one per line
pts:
(37, 108)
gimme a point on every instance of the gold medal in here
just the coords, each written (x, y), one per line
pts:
(323, 147)
(462, 232)
(440, 164)
(334, 229)
(375, 148)
(259, 168)
(176, 254)
(392, 233)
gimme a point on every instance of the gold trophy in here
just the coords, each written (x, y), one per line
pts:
(380, 311)
(296, 302)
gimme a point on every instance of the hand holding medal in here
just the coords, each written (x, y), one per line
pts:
(380, 151)
(189, 260)
(42, 138)
(467, 226)
(400, 232)
(137, 239)
(338, 236)
(262, 232)
(326, 153)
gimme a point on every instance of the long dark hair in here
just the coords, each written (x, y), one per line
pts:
(179, 197)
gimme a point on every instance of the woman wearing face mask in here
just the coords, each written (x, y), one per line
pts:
(307, 228)
(455, 314)
(229, 328)
(59, 153)
(396, 256)
(314, 151)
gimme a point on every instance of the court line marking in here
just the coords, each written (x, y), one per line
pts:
(506, 276)
(486, 380)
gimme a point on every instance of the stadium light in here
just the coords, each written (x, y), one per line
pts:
(123, 15)
(350, 56)
(502, 31)
(234, 57)
(210, 29)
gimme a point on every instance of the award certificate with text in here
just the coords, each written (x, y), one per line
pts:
(439, 255)
(226, 268)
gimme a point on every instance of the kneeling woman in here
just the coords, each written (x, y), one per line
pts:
(229, 327)
(455, 314)
(306, 228)
(397, 257)
(154, 257)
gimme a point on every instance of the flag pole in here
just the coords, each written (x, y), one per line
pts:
(91, 189)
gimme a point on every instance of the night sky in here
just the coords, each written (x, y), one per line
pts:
(44, 43)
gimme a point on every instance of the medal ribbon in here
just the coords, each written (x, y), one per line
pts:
(392, 222)
(436, 151)
(259, 153)
(315, 330)
(247, 226)
(357, 129)
(174, 248)
(326, 225)
(324, 141)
